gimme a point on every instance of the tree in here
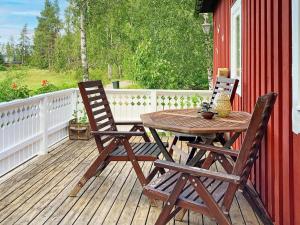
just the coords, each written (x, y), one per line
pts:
(80, 9)
(10, 50)
(46, 34)
(24, 45)
(157, 43)
(84, 60)
(1, 59)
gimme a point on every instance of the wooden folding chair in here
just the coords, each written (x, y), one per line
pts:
(229, 85)
(208, 192)
(113, 145)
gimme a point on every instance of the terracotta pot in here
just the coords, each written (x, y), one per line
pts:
(207, 115)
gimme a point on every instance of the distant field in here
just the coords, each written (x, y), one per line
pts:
(33, 77)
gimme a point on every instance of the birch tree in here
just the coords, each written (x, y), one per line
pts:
(83, 44)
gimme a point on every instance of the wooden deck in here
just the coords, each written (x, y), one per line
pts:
(37, 193)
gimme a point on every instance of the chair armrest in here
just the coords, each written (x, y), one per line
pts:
(118, 133)
(129, 123)
(195, 171)
(218, 150)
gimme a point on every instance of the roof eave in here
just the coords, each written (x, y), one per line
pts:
(205, 6)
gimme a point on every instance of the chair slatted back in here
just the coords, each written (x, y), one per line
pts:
(251, 145)
(229, 85)
(254, 135)
(98, 110)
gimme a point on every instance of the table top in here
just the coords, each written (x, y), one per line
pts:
(188, 121)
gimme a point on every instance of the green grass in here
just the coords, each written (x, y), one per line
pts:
(134, 86)
(33, 77)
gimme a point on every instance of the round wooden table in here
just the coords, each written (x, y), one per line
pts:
(188, 121)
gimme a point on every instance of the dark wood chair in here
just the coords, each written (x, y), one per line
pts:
(113, 145)
(229, 85)
(209, 192)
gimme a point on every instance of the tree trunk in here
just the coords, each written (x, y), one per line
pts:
(109, 71)
(120, 71)
(84, 60)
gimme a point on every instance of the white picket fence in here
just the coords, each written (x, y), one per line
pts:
(29, 127)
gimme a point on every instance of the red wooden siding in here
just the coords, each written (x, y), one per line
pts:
(266, 62)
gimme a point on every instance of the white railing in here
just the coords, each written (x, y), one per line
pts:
(28, 127)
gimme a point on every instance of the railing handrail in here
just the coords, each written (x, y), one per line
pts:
(30, 126)
(35, 98)
(5, 105)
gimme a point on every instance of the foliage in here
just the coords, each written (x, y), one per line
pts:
(165, 49)
(11, 88)
(45, 35)
(24, 45)
(46, 87)
(206, 107)
(82, 118)
(2, 67)
(63, 79)
(1, 59)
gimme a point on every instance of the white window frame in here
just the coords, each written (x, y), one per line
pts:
(236, 10)
(296, 64)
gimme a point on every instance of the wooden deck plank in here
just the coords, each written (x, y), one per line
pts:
(76, 205)
(15, 199)
(44, 186)
(129, 210)
(92, 207)
(122, 202)
(58, 193)
(248, 214)
(195, 218)
(106, 204)
(114, 197)
(23, 179)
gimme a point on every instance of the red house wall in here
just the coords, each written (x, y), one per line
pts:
(266, 66)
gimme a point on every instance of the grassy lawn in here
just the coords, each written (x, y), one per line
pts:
(33, 77)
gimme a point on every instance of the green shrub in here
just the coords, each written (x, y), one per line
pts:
(46, 87)
(10, 90)
(2, 68)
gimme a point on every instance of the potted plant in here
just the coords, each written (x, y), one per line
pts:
(206, 111)
(79, 127)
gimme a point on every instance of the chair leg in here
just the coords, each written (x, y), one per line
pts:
(214, 208)
(209, 160)
(134, 162)
(92, 171)
(166, 214)
(171, 150)
(100, 169)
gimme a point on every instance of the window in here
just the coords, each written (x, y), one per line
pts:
(236, 44)
(296, 64)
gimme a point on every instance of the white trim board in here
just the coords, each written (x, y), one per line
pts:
(236, 11)
(296, 65)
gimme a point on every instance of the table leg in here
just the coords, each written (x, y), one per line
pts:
(200, 154)
(193, 150)
(160, 144)
(230, 142)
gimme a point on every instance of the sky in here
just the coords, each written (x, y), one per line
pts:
(15, 13)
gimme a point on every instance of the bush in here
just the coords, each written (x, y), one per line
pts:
(46, 87)
(10, 90)
(2, 68)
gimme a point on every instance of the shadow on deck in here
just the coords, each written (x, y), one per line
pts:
(37, 193)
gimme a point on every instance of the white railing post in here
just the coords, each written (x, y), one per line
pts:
(74, 100)
(44, 125)
(153, 100)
